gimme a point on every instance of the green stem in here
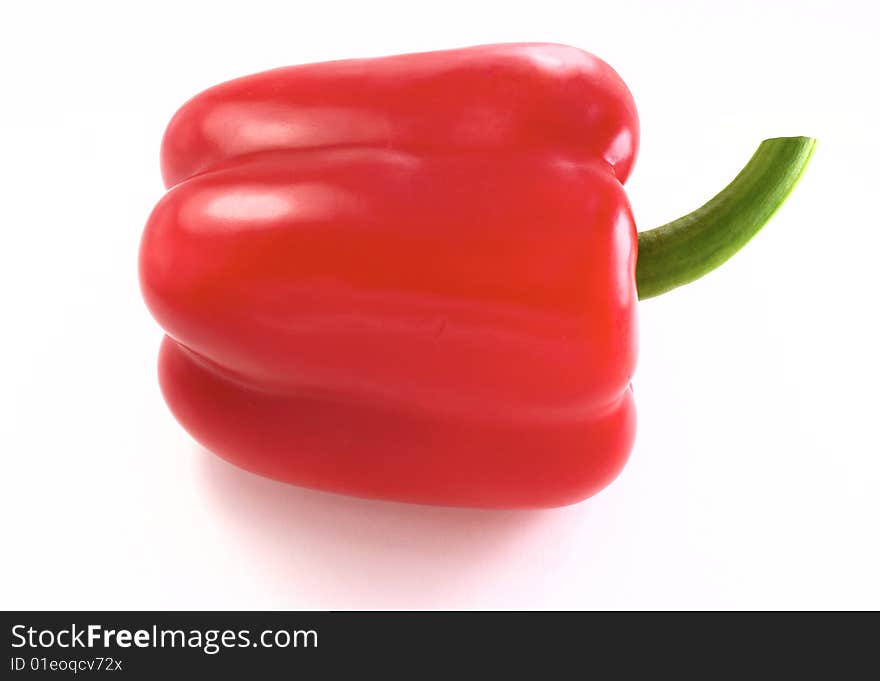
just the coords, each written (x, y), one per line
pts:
(684, 250)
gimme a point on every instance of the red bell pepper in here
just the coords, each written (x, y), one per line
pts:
(415, 277)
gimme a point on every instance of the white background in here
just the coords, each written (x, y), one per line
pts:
(754, 480)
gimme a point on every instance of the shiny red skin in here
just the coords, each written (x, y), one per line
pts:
(408, 278)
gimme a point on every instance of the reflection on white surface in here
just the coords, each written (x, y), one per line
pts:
(341, 552)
